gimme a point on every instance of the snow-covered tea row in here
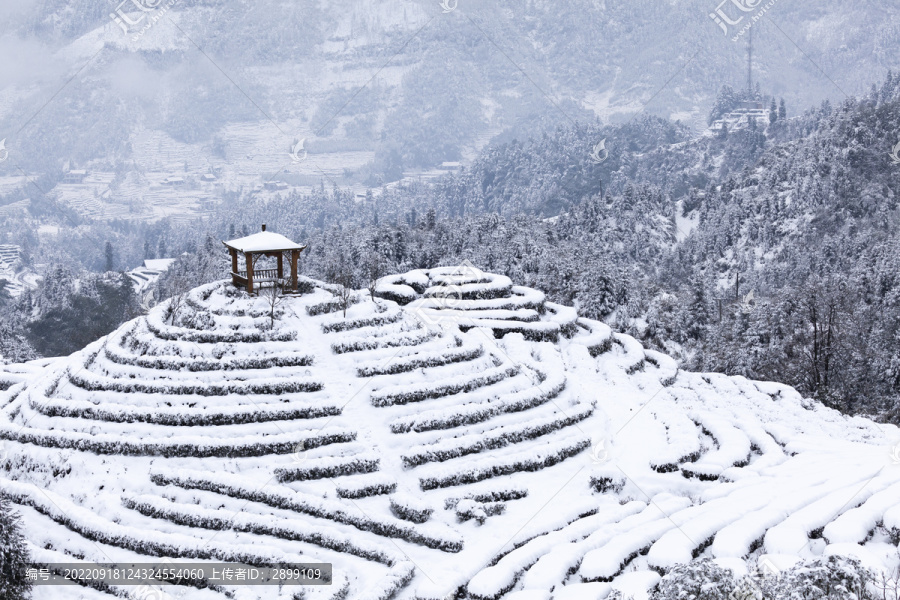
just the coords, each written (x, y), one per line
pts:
(468, 298)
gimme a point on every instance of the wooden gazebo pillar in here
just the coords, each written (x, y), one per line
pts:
(295, 254)
(248, 257)
(279, 257)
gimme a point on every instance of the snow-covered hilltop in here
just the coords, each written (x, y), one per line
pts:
(458, 435)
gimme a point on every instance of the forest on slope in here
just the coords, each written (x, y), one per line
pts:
(768, 252)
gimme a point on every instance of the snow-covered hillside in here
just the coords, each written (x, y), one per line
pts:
(458, 435)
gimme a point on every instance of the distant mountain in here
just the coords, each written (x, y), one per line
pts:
(412, 82)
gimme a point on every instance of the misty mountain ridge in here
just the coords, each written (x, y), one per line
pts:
(405, 85)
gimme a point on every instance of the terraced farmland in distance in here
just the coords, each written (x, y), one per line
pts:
(457, 436)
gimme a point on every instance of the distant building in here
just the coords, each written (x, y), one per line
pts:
(451, 166)
(276, 185)
(158, 264)
(76, 176)
(740, 117)
(209, 177)
(174, 181)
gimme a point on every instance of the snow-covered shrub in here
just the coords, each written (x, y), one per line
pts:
(437, 359)
(601, 347)
(305, 286)
(469, 415)
(537, 332)
(492, 286)
(398, 578)
(638, 366)
(273, 386)
(140, 541)
(376, 321)
(469, 508)
(365, 491)
(568, 330)
(698, 580)
(184, 334)
(7, 380)
(231, 486)
(200, 320)
(608, 483)
(382, 399)
(347, 467)
(217, 520)
(394, 341)
(503, 468)
(690, 472)
(495, 497)
(181, 417)
(410, 508)
(176, 363)
(169, 448)
(43, 470)
(396, 295)
(365, 485)
(403, 288)
(330, 306)
(341, 594)
(831, 578)
(14, 558)
(530, 431)
(501, 495)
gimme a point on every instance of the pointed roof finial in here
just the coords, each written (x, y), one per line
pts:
(263, 226)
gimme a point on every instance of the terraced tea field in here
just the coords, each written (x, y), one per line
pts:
(457, 436)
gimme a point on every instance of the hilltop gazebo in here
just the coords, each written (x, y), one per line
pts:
(264, 243)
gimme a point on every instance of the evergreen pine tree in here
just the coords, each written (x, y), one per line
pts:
(5, 296)
(698, 309)
(108, 256)
(723, 133)
(14, 558)
(726, 101)
(596, 291)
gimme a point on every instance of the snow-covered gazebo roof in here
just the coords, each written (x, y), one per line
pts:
(264, 241)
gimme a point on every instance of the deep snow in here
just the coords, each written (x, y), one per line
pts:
(460, 440)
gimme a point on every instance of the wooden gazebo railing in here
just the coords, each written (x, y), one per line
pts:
(260, 274)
